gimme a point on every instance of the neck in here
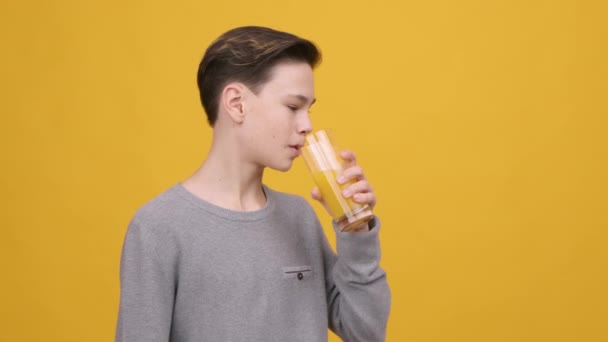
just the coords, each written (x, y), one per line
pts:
(225, 179)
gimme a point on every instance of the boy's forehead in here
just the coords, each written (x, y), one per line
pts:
(292, 79)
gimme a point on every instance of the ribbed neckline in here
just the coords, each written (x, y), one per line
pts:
(229, 214)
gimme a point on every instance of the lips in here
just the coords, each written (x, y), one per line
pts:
(296, 148)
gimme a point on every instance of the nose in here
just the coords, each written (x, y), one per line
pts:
(305, 125)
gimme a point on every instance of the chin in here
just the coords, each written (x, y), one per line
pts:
(283, 167)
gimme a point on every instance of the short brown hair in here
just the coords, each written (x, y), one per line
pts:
(247, 54)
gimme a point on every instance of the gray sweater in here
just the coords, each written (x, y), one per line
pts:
(193, 271)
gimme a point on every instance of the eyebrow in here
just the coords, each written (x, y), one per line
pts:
(304, 98)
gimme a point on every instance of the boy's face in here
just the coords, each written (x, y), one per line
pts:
(277, 118)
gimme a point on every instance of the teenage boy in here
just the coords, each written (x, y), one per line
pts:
(222, 257)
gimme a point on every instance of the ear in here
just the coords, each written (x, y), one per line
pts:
(232, 101)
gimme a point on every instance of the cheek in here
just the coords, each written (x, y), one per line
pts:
(273, 124)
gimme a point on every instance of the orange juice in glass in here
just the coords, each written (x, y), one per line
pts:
(324, 163)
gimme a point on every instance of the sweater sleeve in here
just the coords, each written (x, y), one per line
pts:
(146, 289)
(357, 291)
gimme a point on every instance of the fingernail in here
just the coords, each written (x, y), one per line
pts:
(340, 179)
(345, 193)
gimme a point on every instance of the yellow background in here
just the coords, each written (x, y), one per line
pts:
(481, 124)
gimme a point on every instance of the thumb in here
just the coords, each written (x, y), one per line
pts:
(316, 195)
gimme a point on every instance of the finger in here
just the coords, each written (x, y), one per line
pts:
(358, 187)
(353, 172)
(349, 158)
(365, 198)
(316, 195)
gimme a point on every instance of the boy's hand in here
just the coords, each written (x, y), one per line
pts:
(360, 190)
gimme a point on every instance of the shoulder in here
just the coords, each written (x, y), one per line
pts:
(151, 232)
(159, 213)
